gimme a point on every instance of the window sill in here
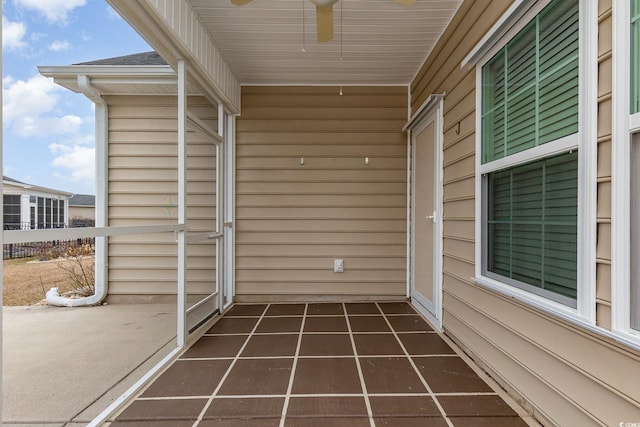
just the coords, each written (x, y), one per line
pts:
(567, 314)
(630, 338)
(528, 298)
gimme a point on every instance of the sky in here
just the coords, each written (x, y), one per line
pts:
(48, 131)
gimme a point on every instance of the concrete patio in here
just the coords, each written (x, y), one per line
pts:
(63, 366)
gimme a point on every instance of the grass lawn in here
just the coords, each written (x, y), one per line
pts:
(26, 280)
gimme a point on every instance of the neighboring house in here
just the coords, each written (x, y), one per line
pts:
(82, 210)
(28, 206)
(500, 204)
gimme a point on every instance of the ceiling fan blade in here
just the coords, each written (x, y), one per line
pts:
(240, 2)
(324, 23)
(406, 2)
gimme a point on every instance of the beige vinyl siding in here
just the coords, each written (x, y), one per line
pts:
(293, 220)
(82, 212)
(143, 175)
(443, 65)
(562, 373)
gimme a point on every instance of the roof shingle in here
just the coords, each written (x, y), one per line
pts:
(82, 200)
(145, 58)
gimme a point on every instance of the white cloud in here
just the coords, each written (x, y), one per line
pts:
(36, 36)
(44, 126)
(53, 10)
(29, 108)
(13, 34)
(78, 159)
(60, 45)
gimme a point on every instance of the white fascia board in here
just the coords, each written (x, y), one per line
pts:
(107, 70)
(33, 188)
(52, 191)
(16, 184)
(67, 76)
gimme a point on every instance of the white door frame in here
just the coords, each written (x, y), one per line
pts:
(430, 112)
(228, 224)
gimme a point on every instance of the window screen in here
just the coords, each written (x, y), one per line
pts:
(532, 225)
(41, 223)
(12, 212)
(56, 221)
(61, 217)
(530, 87)
(47, 213)
(529, 98)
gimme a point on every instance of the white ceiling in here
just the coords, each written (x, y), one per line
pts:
(383, 42)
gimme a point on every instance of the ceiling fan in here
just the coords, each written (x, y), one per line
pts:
(324, 15)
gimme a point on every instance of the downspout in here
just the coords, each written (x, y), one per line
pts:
(101, 283)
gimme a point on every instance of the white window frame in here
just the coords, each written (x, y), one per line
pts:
(514, 19)
(624, 125)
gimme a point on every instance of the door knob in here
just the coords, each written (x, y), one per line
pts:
(432, 217)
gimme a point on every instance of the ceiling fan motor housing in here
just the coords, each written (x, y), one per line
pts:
(324, 3)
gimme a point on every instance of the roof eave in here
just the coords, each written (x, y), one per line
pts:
(120, 75)
(37, 188)
(106, 70)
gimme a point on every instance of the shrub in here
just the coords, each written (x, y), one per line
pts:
(80, 270)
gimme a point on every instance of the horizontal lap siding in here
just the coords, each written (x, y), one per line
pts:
(565, 375)
(293, 219)
(143, 189)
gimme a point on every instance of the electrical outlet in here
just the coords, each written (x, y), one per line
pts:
(338, 265)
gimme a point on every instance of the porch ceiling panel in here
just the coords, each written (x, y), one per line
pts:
(383, 42)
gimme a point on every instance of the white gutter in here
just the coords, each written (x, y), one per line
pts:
(101, 279)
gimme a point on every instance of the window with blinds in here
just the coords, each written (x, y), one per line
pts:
(530, 87)
(532, 225)
(530, 209)
(635, 56)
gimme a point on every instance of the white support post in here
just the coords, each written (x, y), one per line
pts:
(1, 242)
(409, 215)
(102, 189)
(220, 243)
(229, 209)
(182, 198)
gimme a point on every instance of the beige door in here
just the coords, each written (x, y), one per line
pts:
(425, 289)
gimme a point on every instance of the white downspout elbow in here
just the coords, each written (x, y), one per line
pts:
(101, 281)
(53, 297)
